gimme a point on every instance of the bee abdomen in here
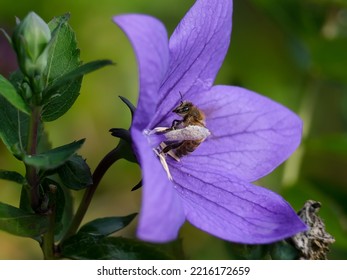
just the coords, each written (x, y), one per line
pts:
(187, 147)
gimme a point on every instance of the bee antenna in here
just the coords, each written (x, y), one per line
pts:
(181, 96)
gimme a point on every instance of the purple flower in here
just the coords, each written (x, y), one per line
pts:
(250, 135)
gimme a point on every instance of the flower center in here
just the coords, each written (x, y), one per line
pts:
(184, 135)
(178, 142)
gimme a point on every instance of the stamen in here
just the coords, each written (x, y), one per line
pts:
(163, 163)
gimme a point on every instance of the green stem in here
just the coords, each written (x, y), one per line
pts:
(48, 238)
(98, 174)
(31, 173)
(293, 164)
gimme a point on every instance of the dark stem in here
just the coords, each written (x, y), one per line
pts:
(31, 173)
(98, 174)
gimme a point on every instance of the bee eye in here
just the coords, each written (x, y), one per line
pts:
(183, 108)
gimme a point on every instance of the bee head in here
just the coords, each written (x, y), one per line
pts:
(183, 109)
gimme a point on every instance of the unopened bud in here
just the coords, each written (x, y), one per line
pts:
(30, 40)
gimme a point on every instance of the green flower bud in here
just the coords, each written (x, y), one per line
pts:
(30, 40)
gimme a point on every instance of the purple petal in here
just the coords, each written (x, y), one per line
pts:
(234, 210)
(150, 42)
(250, 134)
(161, 214)
(197, 49)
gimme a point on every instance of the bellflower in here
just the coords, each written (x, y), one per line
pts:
(248, 135)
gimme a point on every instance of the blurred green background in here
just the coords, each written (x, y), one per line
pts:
(294, 51)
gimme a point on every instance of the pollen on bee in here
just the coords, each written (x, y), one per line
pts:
(191, 132)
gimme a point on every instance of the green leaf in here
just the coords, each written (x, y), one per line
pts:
(75, 173)
(14, 127)
(106, 226)
(8, 91)
(68, 212)
(55, 157)
(21, 223)
(63, 58)
(73, 75)
(45, 143)
(12, 176)
(24, 201)
(85, 246)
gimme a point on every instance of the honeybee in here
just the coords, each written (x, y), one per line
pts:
(184, 135)
(187, 131)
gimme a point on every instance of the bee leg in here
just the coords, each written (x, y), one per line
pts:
(175, 124)
(168, 149)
